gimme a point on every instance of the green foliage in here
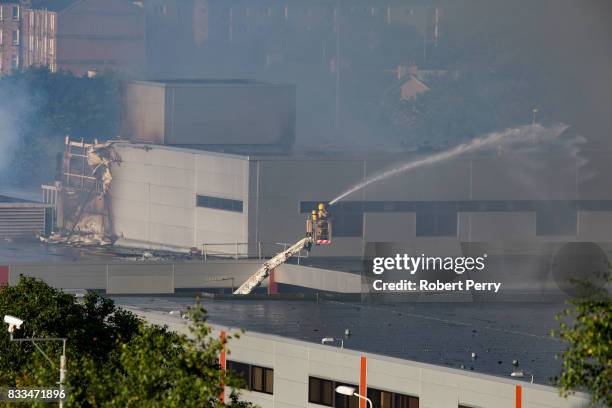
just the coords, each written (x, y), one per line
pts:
(93, 328)
(163, 369)
(114, 359)
(587, 328)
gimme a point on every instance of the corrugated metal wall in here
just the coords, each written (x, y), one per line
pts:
(17, 222)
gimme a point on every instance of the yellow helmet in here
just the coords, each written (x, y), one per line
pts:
(314, 212)
(321, 206)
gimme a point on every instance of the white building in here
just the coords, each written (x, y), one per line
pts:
(287, 373)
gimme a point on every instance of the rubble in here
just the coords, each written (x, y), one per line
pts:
(84, 206)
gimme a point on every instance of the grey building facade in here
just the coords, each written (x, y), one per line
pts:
(183, 198)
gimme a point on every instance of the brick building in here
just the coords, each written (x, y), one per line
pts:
(74, 35)
(10, 36)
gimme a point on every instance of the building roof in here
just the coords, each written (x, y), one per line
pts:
(53, 5)
(412, 87)
(206, 81)
(14, 202)
(191, 82)
(7, 199)
(444, 334)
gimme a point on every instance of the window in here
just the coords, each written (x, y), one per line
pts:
(347, 223)
(262, 379)
(15, 37)
(345, 401)
(15, 62)
(436, 223)
(31, 19)
(240, 370)
(388, 399)
(323, 392)
(1, 12)
(380, 399)
(405, 401)
(52, 19)
(256, 378)
(219, 203)
(1, 36)
(556, 219)
(15, 12)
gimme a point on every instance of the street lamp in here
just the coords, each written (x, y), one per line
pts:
(350, 391)
(521, 374)
(15, 323)
(331, 340)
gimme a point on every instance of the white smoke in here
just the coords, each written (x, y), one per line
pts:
(14, 108)
(510, 137)
(8, 140)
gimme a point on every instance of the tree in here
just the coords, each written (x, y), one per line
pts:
(114, 358)
(587, 328)
(39, 108)
(163, 369)
(94, 327)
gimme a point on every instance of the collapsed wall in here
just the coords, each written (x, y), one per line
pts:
(83, 205)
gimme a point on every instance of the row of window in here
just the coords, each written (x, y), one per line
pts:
(43, 20)
(14, 62)
(439, 219)
(219, 203)
(444, 224)
(15, 37)
(40, 45)
(463, 206)
(15, 12)
(321, 391)
(269, 11)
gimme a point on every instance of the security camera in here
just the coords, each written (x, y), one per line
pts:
(13, 323)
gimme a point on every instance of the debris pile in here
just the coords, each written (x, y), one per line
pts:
(84, 214)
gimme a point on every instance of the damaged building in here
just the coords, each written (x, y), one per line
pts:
(81, 199)
(171, 183)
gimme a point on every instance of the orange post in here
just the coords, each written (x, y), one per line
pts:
(4, 276)
(272, 285)
(519, 396)
(223, 364)
(363, 386)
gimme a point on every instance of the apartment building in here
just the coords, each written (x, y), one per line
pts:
(73, 35)
(10, 36)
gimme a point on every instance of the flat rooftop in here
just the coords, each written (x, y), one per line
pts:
(444, 334)
(13, 202)
(7, 199)
(220, 81)
(208, 82)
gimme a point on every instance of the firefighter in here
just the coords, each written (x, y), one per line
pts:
(322, 212)
(314, 216)
(322, 230)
